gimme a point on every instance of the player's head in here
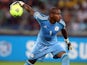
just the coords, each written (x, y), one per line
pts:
(55, 14)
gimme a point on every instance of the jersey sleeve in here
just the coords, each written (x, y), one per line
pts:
(39, 17)
(63, 23)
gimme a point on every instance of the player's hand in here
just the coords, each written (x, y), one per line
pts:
(69, 46)
(21, 3)
(14, 3)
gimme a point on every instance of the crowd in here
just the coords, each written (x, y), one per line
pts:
(74, 13)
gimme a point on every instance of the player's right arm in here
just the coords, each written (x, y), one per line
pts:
(27, 7)
(36, 14)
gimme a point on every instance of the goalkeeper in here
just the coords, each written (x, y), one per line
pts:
(47, 37)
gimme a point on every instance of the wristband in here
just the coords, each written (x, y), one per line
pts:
(66, 40)
(21, 3)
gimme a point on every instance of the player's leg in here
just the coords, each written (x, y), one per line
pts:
(33, 61)
(32, 56)
(37, 52)
(64, 58)
(60, 52)
(30, 62)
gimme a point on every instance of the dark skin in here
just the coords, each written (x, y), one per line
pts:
(54, 16)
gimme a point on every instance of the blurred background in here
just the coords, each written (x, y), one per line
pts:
(74, 13)
(24, 29)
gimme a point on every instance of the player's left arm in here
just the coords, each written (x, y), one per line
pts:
(66, 39)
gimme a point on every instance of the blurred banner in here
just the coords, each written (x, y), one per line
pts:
(17, 48)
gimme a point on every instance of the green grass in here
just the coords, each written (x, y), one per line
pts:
(38, 63)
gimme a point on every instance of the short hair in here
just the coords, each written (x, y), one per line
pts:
(52, 10)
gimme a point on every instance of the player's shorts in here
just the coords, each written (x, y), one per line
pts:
(40, 50)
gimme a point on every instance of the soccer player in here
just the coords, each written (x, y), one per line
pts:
(47, 37)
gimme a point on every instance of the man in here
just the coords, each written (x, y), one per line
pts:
(47, 37)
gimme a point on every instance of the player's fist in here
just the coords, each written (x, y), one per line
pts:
(69, 46)
(21, 3)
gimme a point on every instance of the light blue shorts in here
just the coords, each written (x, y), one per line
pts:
(40, 50)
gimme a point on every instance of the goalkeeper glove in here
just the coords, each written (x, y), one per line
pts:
(21, 3)
(68, 44)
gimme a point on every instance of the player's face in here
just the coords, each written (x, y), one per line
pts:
(55, 15)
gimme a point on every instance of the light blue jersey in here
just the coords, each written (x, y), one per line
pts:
(48, 31)
(47, 37)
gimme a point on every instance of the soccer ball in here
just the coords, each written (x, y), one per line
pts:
(16, 10)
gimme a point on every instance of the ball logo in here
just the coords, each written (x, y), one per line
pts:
(5, 48)
(56, 28)
(17, 10)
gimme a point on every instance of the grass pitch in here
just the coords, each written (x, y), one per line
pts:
(38, 63)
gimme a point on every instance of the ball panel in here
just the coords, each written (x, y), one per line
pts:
(16, 10)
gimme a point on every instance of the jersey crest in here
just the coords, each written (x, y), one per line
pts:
(56, 28)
